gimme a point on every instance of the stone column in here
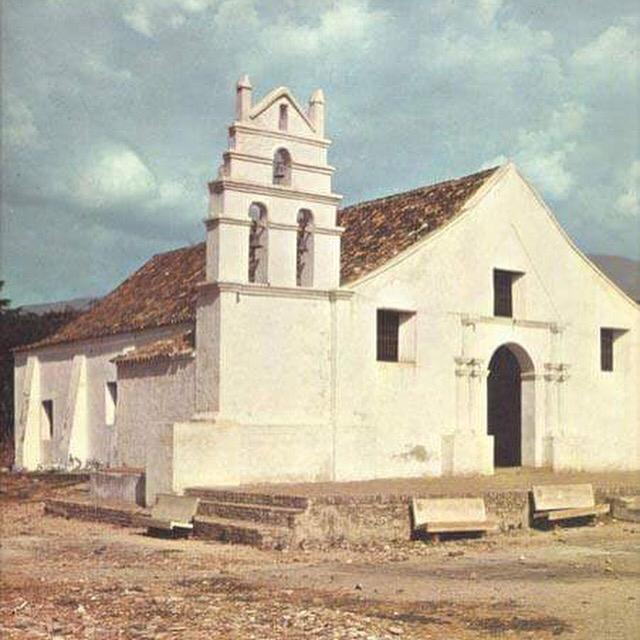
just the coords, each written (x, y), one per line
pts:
(560, 450)
(468, 449)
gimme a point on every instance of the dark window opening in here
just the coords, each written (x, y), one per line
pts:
(388, 325)
(111, 402)
(258, 244)
(47, 417)
(282, 167)
(304, 249)
(606, 349)
(283, 121)
(502, 293)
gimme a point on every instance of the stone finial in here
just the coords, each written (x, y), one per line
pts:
(316, 111)
(243, 98)
(317, 97)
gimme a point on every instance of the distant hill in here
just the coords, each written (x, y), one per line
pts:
(623, 271)
(77, 304)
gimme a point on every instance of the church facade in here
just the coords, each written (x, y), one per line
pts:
(451, 329)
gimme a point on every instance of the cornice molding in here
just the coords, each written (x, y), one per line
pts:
(221, 184)
(268, 291)
(213, 222)
(250, 157)
(471, 320)
(278, 135)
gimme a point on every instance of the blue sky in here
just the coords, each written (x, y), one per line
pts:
(114, 114)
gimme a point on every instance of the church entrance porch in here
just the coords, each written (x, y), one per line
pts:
(509, 403)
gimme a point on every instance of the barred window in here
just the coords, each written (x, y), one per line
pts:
(395, 336)
(388, 326)
(606, 349)
(502, 293)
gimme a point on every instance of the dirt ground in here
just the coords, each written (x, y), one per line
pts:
(69, 579)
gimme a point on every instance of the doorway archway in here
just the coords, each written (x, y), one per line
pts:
(509, 403)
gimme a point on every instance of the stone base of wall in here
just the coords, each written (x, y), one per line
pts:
(273, 520)
(86, 510)
(360, 519)
(122, 485)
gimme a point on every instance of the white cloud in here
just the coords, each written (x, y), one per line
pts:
(349, 23)
(614, 53)
(488, 9)
(148, 16)
(628, 202)
(116, 176)
(545, 154)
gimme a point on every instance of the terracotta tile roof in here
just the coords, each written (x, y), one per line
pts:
(377, 230)
(180, 344)
(162, 292)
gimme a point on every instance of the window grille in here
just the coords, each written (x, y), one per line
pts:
(388, 324)
(606, 349)
(502, 293)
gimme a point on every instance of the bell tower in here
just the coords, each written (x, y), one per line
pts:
(273, 267)
(275, 167)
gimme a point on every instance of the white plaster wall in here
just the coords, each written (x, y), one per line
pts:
(150, 395)
(55, 364)
(275, 355)
(409, 405)
(254, 141)
(302, 396)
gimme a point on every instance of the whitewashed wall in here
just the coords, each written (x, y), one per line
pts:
(409, 406)
(151, 394)
(80, 427)
(294, 407)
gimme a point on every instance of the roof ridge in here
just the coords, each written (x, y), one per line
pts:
(391, 196)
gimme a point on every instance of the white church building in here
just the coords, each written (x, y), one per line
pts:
(450, 329)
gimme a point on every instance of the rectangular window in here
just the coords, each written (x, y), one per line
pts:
(502, 293)
(388, 325)
(395, 336)
(111, 401)
(46, 420)
(606, 349)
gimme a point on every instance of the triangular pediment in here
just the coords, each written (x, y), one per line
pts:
(274, 96)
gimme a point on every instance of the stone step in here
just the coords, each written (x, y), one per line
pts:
(260, 513)
(245, 497)
(242, 532)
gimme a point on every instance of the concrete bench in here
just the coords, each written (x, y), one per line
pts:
(173, 512)
(451, 515)
(553, 502)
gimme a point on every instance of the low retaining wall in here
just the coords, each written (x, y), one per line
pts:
(359, 519)
(387, 518)
(81, 510)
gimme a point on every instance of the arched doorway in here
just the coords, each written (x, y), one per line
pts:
(506, 404)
